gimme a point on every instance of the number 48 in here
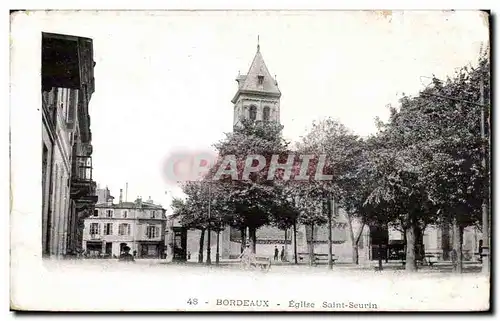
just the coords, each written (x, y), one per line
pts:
(193, 301)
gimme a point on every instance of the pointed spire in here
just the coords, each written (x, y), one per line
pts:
(258, 44)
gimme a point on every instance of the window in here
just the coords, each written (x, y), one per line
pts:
(266, 113)
(261, 79)
(109, 213)
(153, 214)
(94, 229)
(253, 112)
(124, 214)
(108, 229)
(96, 212)
(152, 232)
(124, 229)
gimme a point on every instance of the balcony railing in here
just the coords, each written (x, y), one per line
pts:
(83, 168)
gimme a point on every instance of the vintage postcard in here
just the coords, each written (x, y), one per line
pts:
(260, 160)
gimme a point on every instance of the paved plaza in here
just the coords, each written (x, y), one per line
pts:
(104, 284)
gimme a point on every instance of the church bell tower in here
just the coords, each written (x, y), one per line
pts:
(258, 95)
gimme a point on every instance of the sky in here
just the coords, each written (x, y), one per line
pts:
(165, 80)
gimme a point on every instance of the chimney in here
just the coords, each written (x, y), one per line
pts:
(126, 192)
(139, 201)
(121, 195)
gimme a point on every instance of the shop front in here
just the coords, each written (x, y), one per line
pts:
(150, 250)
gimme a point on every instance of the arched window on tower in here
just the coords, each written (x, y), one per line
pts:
(253, 112)
(265, 114)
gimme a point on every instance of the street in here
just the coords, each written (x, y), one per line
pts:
(107, 284)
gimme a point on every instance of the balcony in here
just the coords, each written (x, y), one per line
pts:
(83, 168)
(83, 188)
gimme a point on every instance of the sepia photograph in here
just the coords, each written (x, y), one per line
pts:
(250, 160)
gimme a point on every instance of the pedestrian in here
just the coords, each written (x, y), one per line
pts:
(276, 253)
(135, 253)
(126, 256)
(282, 254)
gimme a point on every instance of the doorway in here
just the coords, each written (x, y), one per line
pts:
(180, 244)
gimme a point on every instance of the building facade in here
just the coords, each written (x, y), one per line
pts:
(139, 225)
(104, 195)
(68, 191)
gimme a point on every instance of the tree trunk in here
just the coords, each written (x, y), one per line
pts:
(217, 255)
(354, 240)
(202, 241)
(456, 256)
(243, 239)
(411, 264)
(330, 253)
(311, 246)
(380, 251)
(209, 246)
(356, 246)
(387, 245)
(286, 245)
(445, 240)
(295, 242)
(460, 253)
(253, 237)
(405, 239)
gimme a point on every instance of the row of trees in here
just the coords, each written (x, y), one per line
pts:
(423, 167)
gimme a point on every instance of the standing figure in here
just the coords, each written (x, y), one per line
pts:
(282, 254)
(276, 253)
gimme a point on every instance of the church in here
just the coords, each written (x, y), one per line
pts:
(258, 98)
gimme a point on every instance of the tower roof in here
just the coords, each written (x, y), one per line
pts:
(250, 83)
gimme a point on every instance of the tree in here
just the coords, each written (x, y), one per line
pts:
(341, 149)
(457, 179)
(356, 186)
(250, 198)
(434, 172)
(193, 211)
(284, 214)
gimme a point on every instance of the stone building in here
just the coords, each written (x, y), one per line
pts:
(104, 195)
(258, 95)
(68, 191)
(139, 225)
